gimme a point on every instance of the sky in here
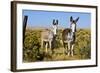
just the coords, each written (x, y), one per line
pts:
(45, 18)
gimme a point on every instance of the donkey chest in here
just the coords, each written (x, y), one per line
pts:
(68, 38)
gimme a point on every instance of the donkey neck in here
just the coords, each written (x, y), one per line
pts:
(73, 27)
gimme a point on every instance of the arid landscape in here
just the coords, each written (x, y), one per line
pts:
(33, 52)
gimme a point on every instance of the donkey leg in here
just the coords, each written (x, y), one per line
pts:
(50, 44)
(65, 48)
(46, 46)
(68, 48)
(72, 50)
(41, 43)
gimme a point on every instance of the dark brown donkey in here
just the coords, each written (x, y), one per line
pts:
(68, 37)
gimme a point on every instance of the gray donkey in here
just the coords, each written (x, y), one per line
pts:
(68, 37)
(48, 35)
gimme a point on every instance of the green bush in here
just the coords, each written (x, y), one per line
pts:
(31, 46)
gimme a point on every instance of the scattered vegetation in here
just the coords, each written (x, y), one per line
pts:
(33, 51)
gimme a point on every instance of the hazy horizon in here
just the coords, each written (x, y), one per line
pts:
(32, 27)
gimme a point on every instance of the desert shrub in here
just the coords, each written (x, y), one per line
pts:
(31, 46)
(82, 44)
(33, 51)
(58, 39)
(85, 52)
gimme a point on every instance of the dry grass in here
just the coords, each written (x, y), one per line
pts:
(37, 53)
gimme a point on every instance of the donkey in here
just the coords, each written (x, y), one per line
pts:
(48, 35)
(68, 37)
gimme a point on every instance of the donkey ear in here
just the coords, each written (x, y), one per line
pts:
(53, 21)
(71, 19)
(77, 19)
(57, 22)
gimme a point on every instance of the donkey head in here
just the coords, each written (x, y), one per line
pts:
(55, 26)
(73, 23)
